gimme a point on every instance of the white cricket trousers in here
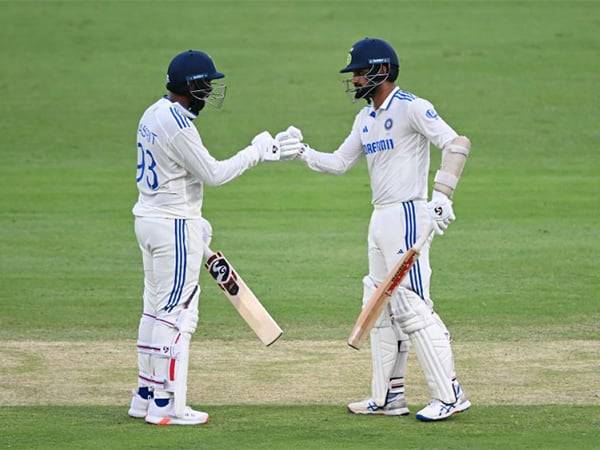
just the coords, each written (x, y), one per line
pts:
(172, 251)
(393, 230)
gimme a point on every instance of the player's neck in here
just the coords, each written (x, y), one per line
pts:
(181, 99)
(382, 93)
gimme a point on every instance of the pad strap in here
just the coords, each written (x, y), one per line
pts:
(150, 381)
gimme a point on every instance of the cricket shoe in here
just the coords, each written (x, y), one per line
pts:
(165, 415)
(396, 406)
(438, 410)
(139, 403)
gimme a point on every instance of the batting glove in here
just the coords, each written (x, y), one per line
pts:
(267, 147)
(290, 142)
(440, 211)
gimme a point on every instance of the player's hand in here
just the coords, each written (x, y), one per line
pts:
(440, 211)
(187, 320)
(290, 142)
(267, 147)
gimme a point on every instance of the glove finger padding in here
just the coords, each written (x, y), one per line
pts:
(295, 132)
(268, 148)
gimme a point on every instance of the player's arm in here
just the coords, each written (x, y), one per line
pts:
(189, 151)
(455, 150)
(336, 163)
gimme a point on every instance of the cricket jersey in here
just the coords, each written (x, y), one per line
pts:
(395, 139)
(173, 164)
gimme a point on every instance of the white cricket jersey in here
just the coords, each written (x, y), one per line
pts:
(395, 140)
(173, 165)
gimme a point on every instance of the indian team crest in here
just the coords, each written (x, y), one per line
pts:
(388, 124)
(349, 57)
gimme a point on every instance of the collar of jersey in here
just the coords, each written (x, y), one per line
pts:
(386, 103)
(180, 108)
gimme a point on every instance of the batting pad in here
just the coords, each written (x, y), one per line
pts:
(384, 351)
(435, 355)
(143, 344)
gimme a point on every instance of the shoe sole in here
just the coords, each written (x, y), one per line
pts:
(459, 408)
(156, 420)
(137, 413)
(396, 412)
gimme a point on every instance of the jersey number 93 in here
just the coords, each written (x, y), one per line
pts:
(146, 165)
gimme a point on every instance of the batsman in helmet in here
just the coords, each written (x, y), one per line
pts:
(394, 132)
(173, 165)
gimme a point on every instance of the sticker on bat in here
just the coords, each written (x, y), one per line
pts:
(223, 274)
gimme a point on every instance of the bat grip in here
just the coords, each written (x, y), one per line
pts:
(207, 251)
(424, 237)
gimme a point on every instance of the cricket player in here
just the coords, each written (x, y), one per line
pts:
(394, 132)
(173, 165)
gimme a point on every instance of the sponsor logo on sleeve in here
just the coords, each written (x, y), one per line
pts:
(431, 114)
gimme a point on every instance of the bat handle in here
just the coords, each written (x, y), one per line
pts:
(424, 237)
(207, 252)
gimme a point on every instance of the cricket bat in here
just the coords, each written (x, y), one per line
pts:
(378, 301)
(242, 298)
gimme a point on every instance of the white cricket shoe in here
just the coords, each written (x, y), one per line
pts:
(396, 407)
(438, 410)
(166, 415)
(139, 406)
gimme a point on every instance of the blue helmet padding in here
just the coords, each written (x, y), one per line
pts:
(190, 65)
(368, 52)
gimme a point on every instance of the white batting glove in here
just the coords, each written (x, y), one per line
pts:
(440, 211)
(267, 147)
(187, 321)
(290, 142)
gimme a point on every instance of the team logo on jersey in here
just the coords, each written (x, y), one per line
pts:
(365, 129)
(388, 124)
(431, 114)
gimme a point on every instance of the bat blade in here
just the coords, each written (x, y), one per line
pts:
(243, 299)
(378, 301)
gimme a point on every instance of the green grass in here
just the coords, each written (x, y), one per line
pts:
(521, 262)
(303, 427)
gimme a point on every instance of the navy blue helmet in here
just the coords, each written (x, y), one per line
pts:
(367, 52)
(368, 55)
(191, 73)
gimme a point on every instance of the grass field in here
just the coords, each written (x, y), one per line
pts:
(515, 278)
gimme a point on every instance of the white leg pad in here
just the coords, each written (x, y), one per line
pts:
(429, 336)
(143, 344)
(165, 351)
(384, 352)
(399, 369)
(384, 347)
(435, 356)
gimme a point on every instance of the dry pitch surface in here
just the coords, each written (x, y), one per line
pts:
(296, 372)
